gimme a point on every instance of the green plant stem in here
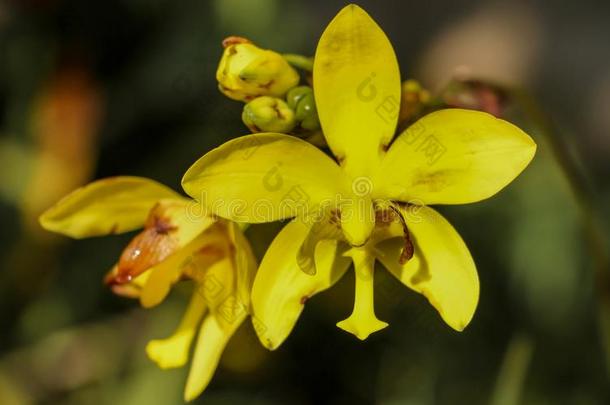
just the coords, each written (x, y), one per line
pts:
(509, 383)
(299, 61)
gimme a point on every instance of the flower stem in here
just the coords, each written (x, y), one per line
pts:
(299, 61)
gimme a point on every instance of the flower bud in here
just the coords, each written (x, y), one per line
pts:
(268, 114)
(247, 71)
(301, 100)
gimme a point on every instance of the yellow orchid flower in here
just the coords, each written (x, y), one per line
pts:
(375, 190)
(176, 243)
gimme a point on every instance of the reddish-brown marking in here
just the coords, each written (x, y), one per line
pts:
(267, 85)
(408, 250)
(115, 229)
(234, 40)
(150, 247)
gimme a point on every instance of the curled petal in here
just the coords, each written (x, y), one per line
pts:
(281, 288)
(441, 268)
(325, 227)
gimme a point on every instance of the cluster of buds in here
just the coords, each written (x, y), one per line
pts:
(269, 85)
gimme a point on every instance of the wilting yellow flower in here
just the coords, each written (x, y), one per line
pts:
(177, 242)
(247, 71)
(370, 203)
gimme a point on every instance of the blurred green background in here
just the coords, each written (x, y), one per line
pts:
(90, 89)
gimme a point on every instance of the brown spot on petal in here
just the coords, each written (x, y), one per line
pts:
(162, 226)
(267, 85)
(434, 181)
(304, 299)
(385, 217)
(114, 230)
(234, 40)
(408, 249)
(212, 251)
(335, 218)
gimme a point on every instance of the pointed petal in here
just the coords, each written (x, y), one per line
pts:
(362, 322)
(107, 206)
(323, 227)
(281, 288)
(441, 268)
(174, 351)
(211, 342)
(357, 89)
(453, 156)
(264, 177)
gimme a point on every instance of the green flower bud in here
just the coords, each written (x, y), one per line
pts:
(247, 71)
(268, 114)
(301, 100)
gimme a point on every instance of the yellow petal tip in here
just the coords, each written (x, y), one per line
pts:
(168, 353)
(270, 345)
(360, 328)
(263, 336)
(459, 326)
(190, 395)
(354, 9)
